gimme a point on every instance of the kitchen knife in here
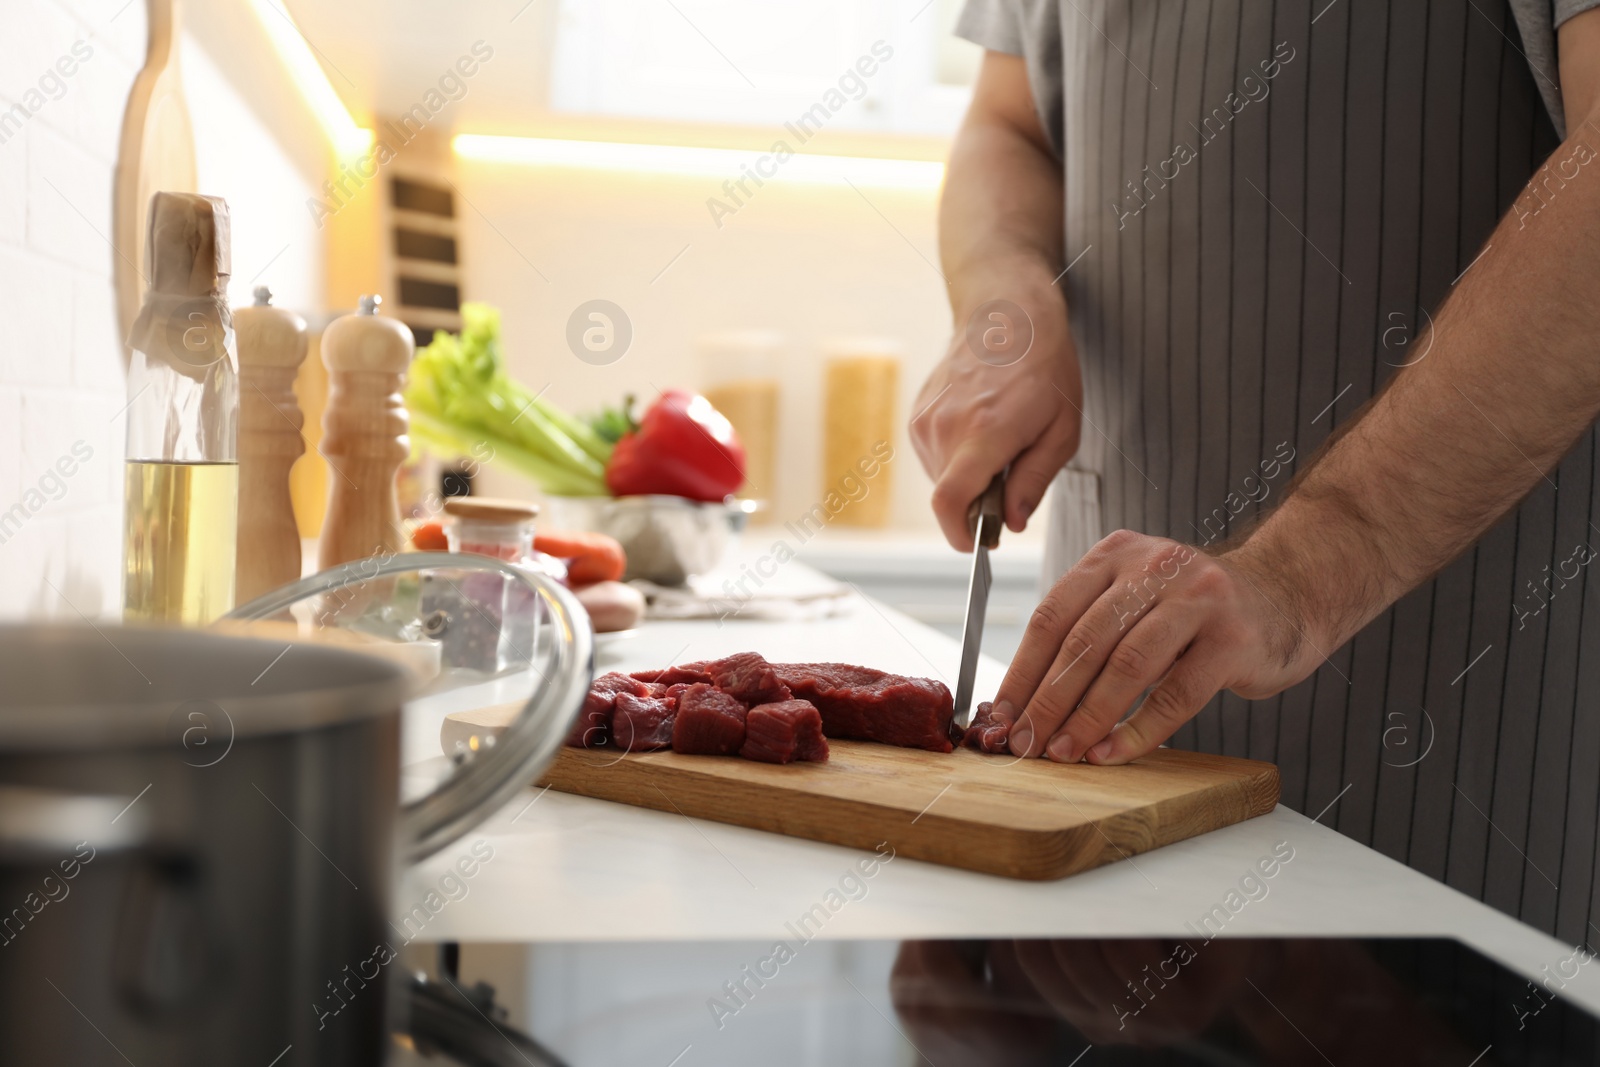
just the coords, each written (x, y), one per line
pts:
(985, 517)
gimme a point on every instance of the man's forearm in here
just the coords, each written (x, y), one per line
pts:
(1000, 216)
(1506, 382)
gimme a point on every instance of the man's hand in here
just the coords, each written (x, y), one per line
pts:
(1143, 611)
(1008, 389)
(976, 413)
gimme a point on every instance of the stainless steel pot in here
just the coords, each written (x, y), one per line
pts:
(199, 833)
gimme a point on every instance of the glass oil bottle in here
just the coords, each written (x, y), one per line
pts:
(182, 473)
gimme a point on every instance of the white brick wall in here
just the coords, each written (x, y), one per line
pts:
(61, 378)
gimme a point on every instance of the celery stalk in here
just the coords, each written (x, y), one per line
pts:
(459, 395)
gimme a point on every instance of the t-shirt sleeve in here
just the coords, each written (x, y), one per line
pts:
(1565, 9)
(1536, 24)
(995, 25)
(1030, 29)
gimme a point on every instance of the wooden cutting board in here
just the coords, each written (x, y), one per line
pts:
(1019, 818)
(155, 153)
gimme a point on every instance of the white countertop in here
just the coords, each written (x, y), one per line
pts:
(891, 554)
(567, 868)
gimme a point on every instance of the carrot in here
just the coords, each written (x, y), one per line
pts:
(430, 537)
(592, 557)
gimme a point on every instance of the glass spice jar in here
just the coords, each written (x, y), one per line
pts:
(490, 622)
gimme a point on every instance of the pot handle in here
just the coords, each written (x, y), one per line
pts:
(36, 821)
(480, 788)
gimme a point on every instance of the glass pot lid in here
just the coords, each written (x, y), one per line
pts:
(471, 631)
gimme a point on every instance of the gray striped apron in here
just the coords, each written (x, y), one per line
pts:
(1266, 210)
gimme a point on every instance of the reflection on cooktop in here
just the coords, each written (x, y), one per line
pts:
(1228, 1001)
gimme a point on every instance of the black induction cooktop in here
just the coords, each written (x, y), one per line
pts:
(1075, 1003)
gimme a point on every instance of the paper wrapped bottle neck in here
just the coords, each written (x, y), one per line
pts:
(185, 322)
(187, 333)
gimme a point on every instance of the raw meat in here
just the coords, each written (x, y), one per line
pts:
(663, 691)
(594, 722)
(685, 672)
(784, 732)
(700, 708)
(986, 733)
(750, 678)
(640, 724)
(870, 705)
(709, 722)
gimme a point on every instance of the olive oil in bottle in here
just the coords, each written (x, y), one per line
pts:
(179, 566)
(182, 475)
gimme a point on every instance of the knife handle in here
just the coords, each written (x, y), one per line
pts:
(991, 504)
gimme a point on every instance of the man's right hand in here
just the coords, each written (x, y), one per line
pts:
(1000, 240)
(979, 411)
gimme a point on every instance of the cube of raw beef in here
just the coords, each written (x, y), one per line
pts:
(985, 733)
(687, 673)
(709, 722)
(593, 725)
(640, 724)
(750, 678)
(784, 732)
(870, 705)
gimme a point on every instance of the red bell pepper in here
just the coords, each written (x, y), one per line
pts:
(683, 447)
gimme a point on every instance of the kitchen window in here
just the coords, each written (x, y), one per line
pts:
(736, 63)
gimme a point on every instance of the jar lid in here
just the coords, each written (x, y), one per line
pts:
(491, 509)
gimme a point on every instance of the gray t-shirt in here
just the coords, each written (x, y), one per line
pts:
(1030, 28)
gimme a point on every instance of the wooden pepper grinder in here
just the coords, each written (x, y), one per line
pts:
(364, 433)
(272, 345)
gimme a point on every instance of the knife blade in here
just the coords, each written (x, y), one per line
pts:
(985, 516)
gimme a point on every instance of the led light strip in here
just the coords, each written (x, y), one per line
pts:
(347, 135)
(707, 162)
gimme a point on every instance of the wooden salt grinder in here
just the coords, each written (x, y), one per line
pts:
(272, 345)
(364, 433)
